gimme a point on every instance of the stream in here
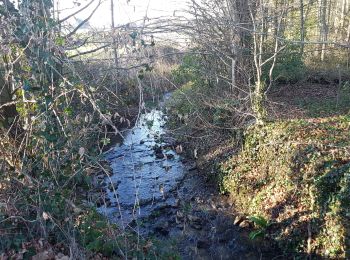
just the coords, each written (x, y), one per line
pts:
(146, 171)
(153, 184)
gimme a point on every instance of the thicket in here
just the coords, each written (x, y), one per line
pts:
(58, 111)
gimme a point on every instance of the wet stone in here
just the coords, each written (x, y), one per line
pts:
(167, 167)
(102, 201)
(196, 226)
(238, 220)
(162, 228)
(179, 214)
(100, 177)
(170, 156)
(228, 235)
(159, 155)
(244, 224)
(184, 160)
(157, 149)
(203, 244)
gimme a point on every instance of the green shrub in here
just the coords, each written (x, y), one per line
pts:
(190, 70)
(289, 68)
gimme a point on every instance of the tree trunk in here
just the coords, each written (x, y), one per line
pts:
(323, 27)
(259, 103)
(302, 27)
(114, 43)
(7, 111)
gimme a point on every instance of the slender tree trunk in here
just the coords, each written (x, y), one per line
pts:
(6, 88)
(348, 40)
(302, 28)
(235, 41)
(233, 73)
(114, 43)
(258, 98)
(323, 26)
(342, 14)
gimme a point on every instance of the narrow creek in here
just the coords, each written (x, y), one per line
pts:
(146, 171)
(159, 193)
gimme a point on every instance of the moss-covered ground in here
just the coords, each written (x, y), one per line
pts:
(296, 174)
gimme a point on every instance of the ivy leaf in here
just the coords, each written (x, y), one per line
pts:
(255, 234)
(133, 35)
(26, 86)
(259, 221)
(60, 41)
(68, 111)
(105, 141)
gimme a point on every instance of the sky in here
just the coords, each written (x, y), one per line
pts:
(126, 11)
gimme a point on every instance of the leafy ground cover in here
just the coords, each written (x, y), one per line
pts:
(295, 174)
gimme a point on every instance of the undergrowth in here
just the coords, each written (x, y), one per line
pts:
(296, 174)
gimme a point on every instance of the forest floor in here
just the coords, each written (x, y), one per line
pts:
(308, 100)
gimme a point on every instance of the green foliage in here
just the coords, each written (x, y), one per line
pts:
(289, 67)
(197, 94)
(94, 234)
(105, 141)
(182, 100)
(189, 77)
(259, 221)
(261, 225)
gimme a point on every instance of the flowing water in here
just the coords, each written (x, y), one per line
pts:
(146, 170)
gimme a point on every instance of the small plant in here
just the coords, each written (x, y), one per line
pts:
(261, 225)
(105, 141)
(187, 208)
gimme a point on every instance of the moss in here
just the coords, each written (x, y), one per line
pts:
(297, 174)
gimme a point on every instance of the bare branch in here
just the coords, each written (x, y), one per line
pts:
(84, 21)
(75, 13)
(90, 51)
